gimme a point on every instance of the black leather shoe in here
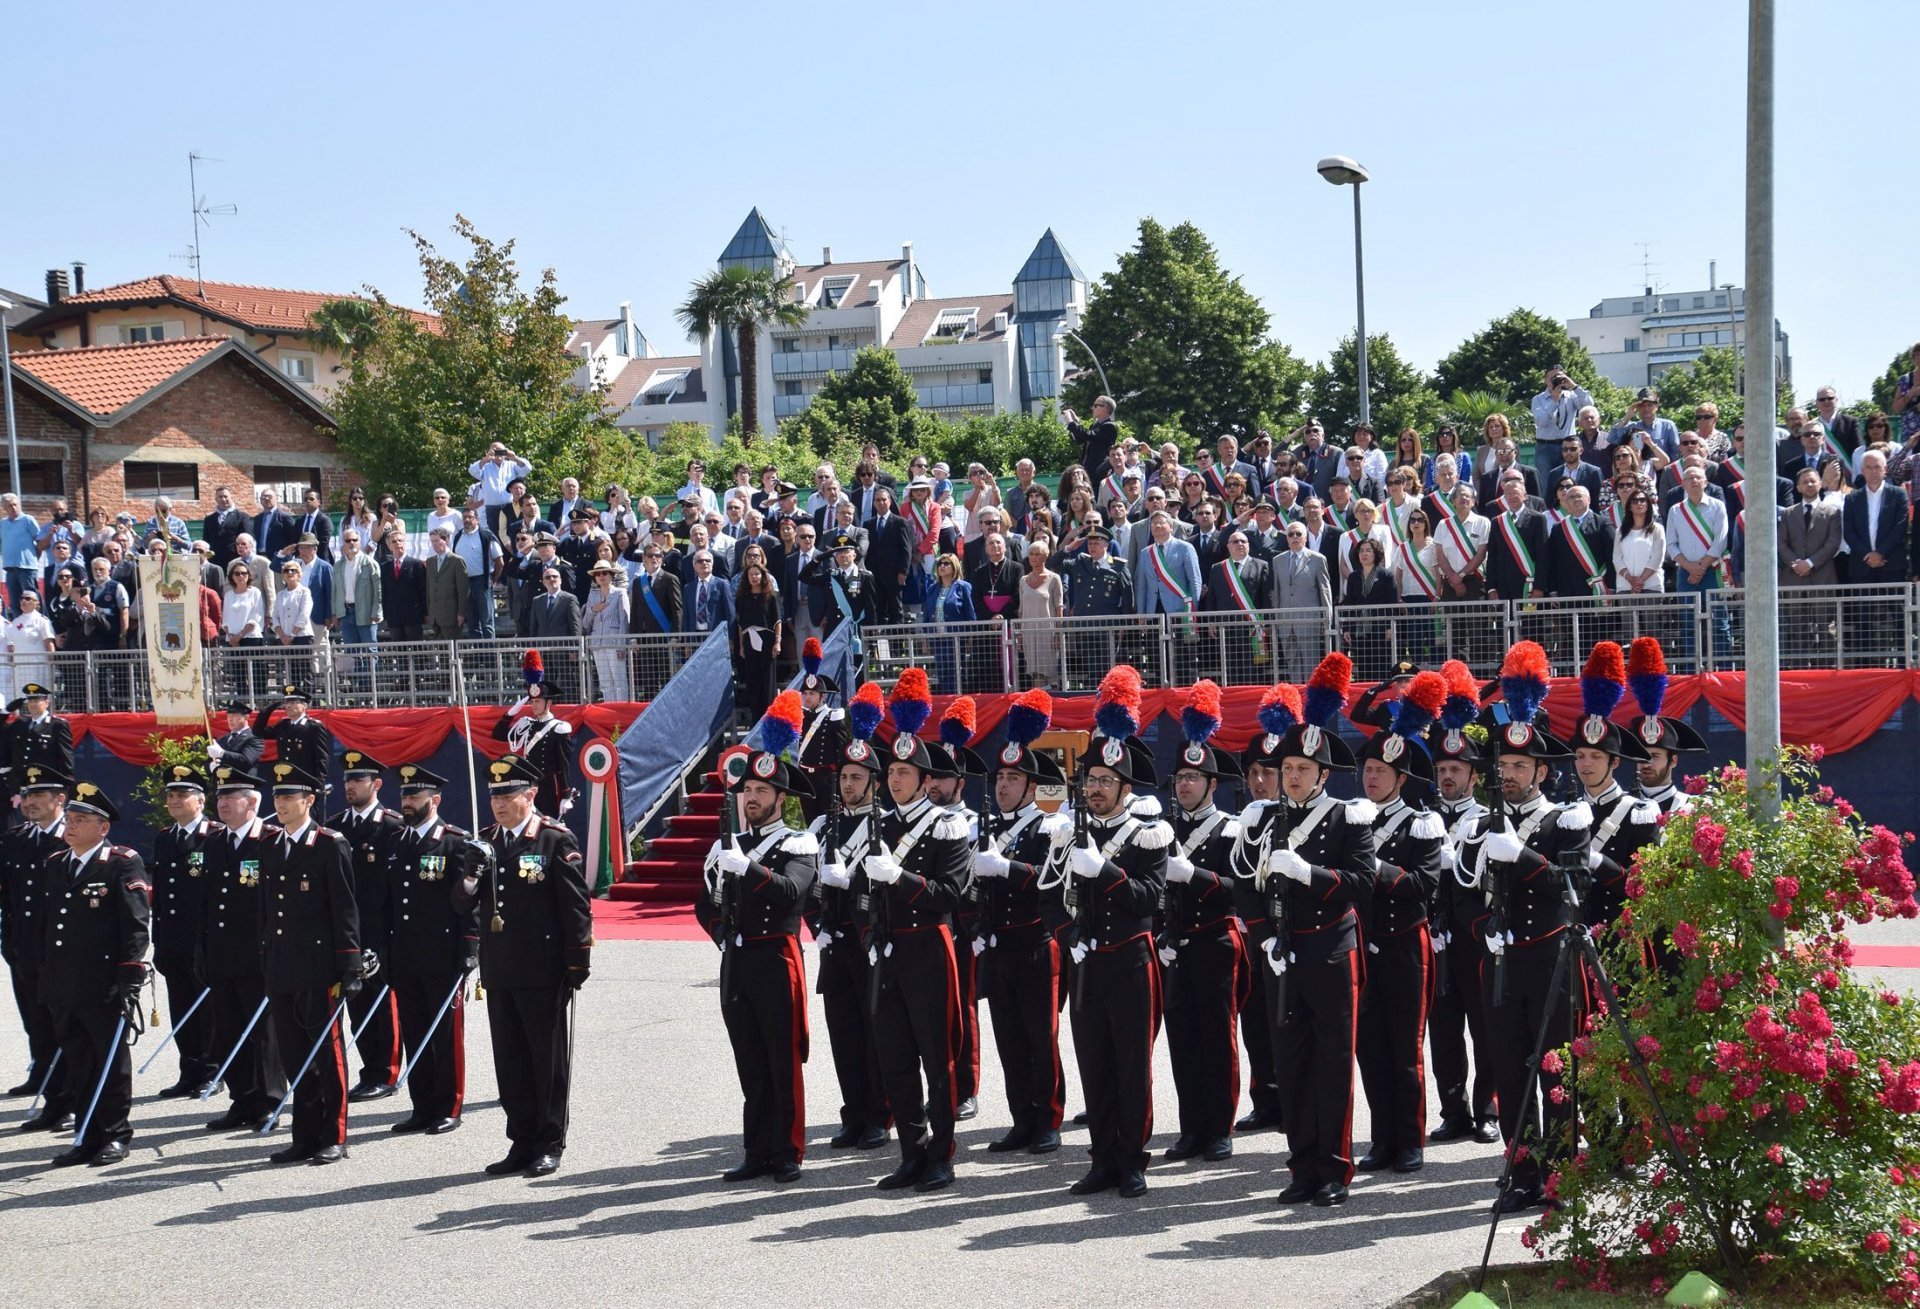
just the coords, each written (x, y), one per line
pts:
(1409, 1160)
(235, 1120)
(936, 1176)
(1374, 1160)
(789, 1171)
(746, 1170)
(1133, 1185)
(329, 1154)
(1018, 1139)
(370, 1091)
(408, 1125)
(25, 1088)
(48, 1122)
(909, 1172)
(1329, 1195)
(1100, 1179)
(1044, 1142)
(966, 1109)
(1454, 1131)
(1298, 1191)
(516, 1160)
(845, 1138)
(1488, 1132)
(77, 1155)
(1218, 1150)
(177, 1090)
(441, 1126)
(1184, 1148)
(1258, 1120)
(1080, 1119)
(1518, 1198)
(110, 1153)
(871, 1138)
(543, 1164)
(293, 1154)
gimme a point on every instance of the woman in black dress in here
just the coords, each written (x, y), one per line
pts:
(756, 636)
(1370, 583)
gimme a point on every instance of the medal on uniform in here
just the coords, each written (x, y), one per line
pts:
(303, 886)
(533, 868)
(249, 872)
(196, 862)
(433, 867)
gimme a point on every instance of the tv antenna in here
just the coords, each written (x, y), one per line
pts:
(203, 214)
(1647, 266)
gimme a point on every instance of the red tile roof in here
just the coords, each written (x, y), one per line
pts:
(919, 319)
(260, 308)
(861, 273)
(104, 379)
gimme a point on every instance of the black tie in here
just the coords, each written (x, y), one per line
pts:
(1806, 517)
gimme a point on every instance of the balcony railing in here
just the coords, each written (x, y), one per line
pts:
(794, 363)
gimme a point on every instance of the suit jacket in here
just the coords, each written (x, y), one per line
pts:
(1150, 594)
(1300, 581)
(220, 530)
(1504, 573)
(403, 592)
(1583, 474)
(1255, 575)
(1890, 537)
(1565, 574)
(1320, 470)
(561, 617)
(320, 525)
(719, 603)
(1817, 542)
(862, 545)
(820, 598)
(272, 532)
(1486, 486)
(793, 587)
(974, 552)
(1095, 441)
(357, 583)
(666, 592)
(889, 549)
(1845, 430)
(557, 511)
(446, 590)
(681, 562)
(1211, 550)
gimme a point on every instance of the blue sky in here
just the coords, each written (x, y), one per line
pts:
(1519, 152)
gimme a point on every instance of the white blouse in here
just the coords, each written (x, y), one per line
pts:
(240, 610)
(293, 612)
(1637, 552)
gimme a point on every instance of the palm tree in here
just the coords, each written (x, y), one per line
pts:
(742, 300)
(345, 326)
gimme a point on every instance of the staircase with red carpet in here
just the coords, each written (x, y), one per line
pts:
(669, 877)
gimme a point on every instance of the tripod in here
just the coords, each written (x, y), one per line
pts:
(1577, 941)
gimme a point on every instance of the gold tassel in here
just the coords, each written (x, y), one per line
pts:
(499, 923)
(479, 993)
(154, 1019)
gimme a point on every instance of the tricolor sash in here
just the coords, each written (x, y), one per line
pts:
(1449, 520)
(1596, 578)
(1335, 517)
(1156, 555)
(1516, 544)
(1240, 597)
(1696, 520)
(1739, 468)
(1421, 573)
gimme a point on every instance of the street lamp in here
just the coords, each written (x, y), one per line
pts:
(6, 380)
(1065, 329)
(1342, 171)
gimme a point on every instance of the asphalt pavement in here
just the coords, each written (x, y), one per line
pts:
(637, 1213)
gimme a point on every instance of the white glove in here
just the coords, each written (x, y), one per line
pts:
(1179, 868)
(1594, 858)
(823, 939)
(1056, 826)
(214, 752)
(1496, 942)
(986, 863)
(835, 875)
(883, 868)
(1275, 960)
(1439, 942)
(517, 705)
(1167, 955)
(1504, 846)
(1086, 861)
(566, 806)
(1080, 951)
(731, 862)
(1288, 864)
(979, 947)
(1449, 856)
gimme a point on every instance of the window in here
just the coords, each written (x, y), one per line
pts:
(141, 333)
(789, 388)
(297, 367)
(833, 290)
(1699, 302)
(789, 345)
(42, 477)
(1670, 303)
(1719, 302)
(1639, 306)
(833, 342)
(1632, 345)
(986, 377)
(288, 481)
(175, 481)
(953, 325)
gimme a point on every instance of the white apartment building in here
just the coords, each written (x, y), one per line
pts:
(1635, 338)
(999, 352)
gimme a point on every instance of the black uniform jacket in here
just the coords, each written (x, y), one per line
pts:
(1322, 917)
(310, 928)
(538, 890)
(96, 926)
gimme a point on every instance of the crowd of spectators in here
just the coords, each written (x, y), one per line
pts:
(1304, 524)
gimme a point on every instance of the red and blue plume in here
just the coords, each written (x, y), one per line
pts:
(1200, 716)
(532, 669)
(1647, 675)
(910, 702)
(1030, 714)
(1603, 682)
(1326, 693)
(1117, 709)
(780, 726)
(811, 655)
(1280, 709)
(957, 724)
(1463, 696)
(1419, 705)
(865, 711)
(1523, 681)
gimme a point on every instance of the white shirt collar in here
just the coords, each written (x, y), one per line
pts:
(80, 861)
(521, 830)
(293, 837)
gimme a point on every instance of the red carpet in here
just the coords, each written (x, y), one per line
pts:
(641, 920)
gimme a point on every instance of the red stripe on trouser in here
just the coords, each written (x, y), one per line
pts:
(459, 1020)
(1233, 1026)
(1353, 1043)
(395, 1060)
(1153, 1031)
(1057, 1095)
(336, 1037)
(797, 1025)
(1428, 962)
(953, 1025)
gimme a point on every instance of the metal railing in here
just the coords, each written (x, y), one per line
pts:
(1849, 627)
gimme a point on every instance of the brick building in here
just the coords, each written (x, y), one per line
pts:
(111, 427)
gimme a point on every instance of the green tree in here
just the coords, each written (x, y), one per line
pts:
(345, 326)
(1000, 441)
(1469, 411)
(1182, 341)
(874, 400)
(1887, 385)
(1713, 376)
(420, 404)
(683, 442)
(1400, 394)
(1510, 356)
(742, 301)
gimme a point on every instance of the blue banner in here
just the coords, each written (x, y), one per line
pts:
(693, 706)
